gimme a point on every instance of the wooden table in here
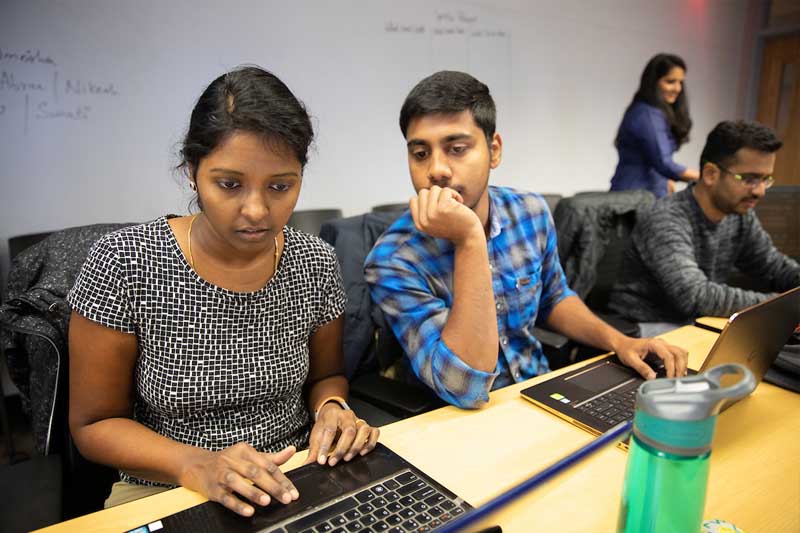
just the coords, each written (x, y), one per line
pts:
(754, 480)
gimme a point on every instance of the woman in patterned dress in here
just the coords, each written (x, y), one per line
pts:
(205, 349)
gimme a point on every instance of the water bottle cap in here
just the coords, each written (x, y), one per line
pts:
(694, 397)
(679, 414)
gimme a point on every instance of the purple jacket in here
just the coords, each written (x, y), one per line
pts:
(645, 151)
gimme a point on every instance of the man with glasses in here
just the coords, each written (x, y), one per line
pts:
(683, 251)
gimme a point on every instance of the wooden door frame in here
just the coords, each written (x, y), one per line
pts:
(758, 51)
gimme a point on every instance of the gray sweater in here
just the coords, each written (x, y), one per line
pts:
(678, 261)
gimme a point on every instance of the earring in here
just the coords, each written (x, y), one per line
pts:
(193, 186)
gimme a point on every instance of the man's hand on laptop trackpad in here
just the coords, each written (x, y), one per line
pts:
(633, 353)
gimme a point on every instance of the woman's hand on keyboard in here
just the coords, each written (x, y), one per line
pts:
(240, 470)
(352, 436)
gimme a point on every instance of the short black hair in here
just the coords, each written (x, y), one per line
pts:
(246, 99)
(728, 137)
(450, 92)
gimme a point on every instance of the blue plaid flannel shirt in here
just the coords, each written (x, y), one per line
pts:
(410, 276)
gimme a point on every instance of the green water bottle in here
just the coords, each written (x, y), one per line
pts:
(667, 472)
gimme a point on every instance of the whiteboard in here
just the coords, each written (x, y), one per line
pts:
(95, 95)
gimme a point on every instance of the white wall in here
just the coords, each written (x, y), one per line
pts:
(562, 73)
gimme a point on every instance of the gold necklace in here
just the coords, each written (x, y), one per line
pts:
(191, 257)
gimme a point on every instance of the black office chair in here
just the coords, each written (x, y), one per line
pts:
(388, 208)
(311, 220)
(370, 347)
(552, 200)
(593, 231)
(82, 486)
(15, 246)
(779, 214)
(21, 242)
(27, 482)
(31, 494)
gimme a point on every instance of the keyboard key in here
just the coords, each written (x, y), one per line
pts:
(410, 525)
(444, 517)
(407, 477)
(364, 496)
(421, 494)
(423, 518)
(394, 507)
(352, 514)
(323, 528)
(408, 501)
(394, 520)
(407, 513)
(410, 487)
(365, 508)
(397, 530)
(391, 496)
(447, 505)
(391, 484)
(434, 523)
(379, 489)
(457, 511)
(435, 511)
(378, 502)
(323, 514)
(380, 526)
(420, 506)
(338, 521)
(339, 530)
(381, 513)
(436, 498)
(368, 520)
(354, 526)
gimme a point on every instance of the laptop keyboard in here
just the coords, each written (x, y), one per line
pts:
(613, 407)
(399, 504)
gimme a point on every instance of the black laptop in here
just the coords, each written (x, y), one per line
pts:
(377, 492)
(602, 394)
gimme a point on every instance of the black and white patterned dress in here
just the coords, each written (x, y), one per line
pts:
(215, 367)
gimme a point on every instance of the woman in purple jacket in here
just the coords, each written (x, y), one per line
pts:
(655, 124)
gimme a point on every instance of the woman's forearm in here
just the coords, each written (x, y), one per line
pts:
(129, 446)
(325, 388)
(690, 175)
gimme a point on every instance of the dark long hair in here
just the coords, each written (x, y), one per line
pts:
(246, 99)
(677, 113)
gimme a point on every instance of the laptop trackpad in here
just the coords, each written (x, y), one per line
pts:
(602, 378)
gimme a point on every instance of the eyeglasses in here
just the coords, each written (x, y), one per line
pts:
(748, 181)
